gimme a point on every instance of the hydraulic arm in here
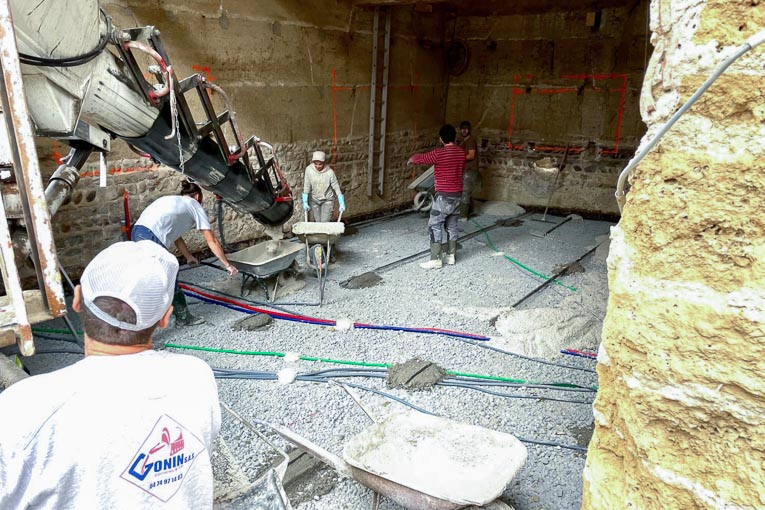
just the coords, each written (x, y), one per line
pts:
(85, 84)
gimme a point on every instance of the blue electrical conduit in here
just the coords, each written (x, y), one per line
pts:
(189, 291)
(467, 338)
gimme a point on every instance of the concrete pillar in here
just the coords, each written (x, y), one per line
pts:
(680, 415)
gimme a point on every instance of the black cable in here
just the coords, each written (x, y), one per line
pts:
(275, 306)
(507, 395)
(35, 60)
(260, 376)
(487, 382)
(529, 358)
(57, 339)
(58, 351)
(226, 247)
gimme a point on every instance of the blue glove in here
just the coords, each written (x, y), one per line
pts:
(341, 199)
(305, 202)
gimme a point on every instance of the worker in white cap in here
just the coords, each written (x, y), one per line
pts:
(321, 186)
(127, 426)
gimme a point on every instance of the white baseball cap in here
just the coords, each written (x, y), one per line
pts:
(318, 156)
(142, 274)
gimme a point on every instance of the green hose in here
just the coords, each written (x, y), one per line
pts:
(535, 273)
(366, 364)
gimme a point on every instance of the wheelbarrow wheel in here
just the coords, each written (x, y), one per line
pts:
(423, 201)
(317, 255)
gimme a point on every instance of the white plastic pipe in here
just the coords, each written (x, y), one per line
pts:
(751, 43)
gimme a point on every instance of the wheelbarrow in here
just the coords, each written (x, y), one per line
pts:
(264, 260)
(319, 237)
(423, 462)
(319, 232)
(426, 187)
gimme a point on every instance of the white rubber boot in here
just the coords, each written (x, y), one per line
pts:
(449, 256)
(432, 264)
(435, 257)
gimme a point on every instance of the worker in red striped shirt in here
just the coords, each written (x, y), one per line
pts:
(449, 162)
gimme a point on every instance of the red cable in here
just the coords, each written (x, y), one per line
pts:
(316, 320)
(253, 308)
(127, 226)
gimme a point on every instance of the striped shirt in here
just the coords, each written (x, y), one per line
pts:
(450, 162)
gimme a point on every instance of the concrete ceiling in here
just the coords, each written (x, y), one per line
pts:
(500, 7)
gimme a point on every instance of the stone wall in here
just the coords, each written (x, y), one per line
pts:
(298, 75)
(679, 414)
(585, 184)
(536, 83)
(92, 220)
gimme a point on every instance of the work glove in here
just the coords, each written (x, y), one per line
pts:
(305, 202)
(341, 200)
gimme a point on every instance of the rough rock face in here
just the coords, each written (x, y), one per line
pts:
(679, 416)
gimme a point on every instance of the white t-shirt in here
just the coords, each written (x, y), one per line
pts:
(172, 216)
(132, 431)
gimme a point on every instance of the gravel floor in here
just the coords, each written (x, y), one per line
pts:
(466, 297)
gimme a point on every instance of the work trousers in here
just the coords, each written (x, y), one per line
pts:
(469, 182)
(443, 216)
(322, 210)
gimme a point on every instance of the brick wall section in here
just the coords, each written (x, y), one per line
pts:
(91, 221)
(585, 185)
(298, 76)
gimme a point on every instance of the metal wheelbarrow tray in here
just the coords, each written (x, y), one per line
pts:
(319, 232)
(425, 181)
(425, 462)
(425, 185)
(264, 260)
(428, 462)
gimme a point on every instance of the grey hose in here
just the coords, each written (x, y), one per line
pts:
(752, 42)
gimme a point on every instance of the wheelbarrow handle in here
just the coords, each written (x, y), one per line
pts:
(210, 264)
(282, 468)
(313, 449)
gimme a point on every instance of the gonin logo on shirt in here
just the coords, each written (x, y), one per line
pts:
(164, 459)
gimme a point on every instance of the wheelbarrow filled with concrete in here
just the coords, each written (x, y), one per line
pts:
(319, 232)
(424, 462)
(265, 260)
(319, 237)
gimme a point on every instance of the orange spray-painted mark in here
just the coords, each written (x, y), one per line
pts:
(568, 90)
(204, 70)
(56, 156)
(415, 88)
(118, 171)
(334, 117)
(415, 91)
(516, 91)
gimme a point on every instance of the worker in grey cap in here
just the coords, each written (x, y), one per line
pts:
(127, 426)
(320, 186)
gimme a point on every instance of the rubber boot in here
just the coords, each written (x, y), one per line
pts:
(451, 251)
(181, 311)
(435, 257)
(464, 211)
